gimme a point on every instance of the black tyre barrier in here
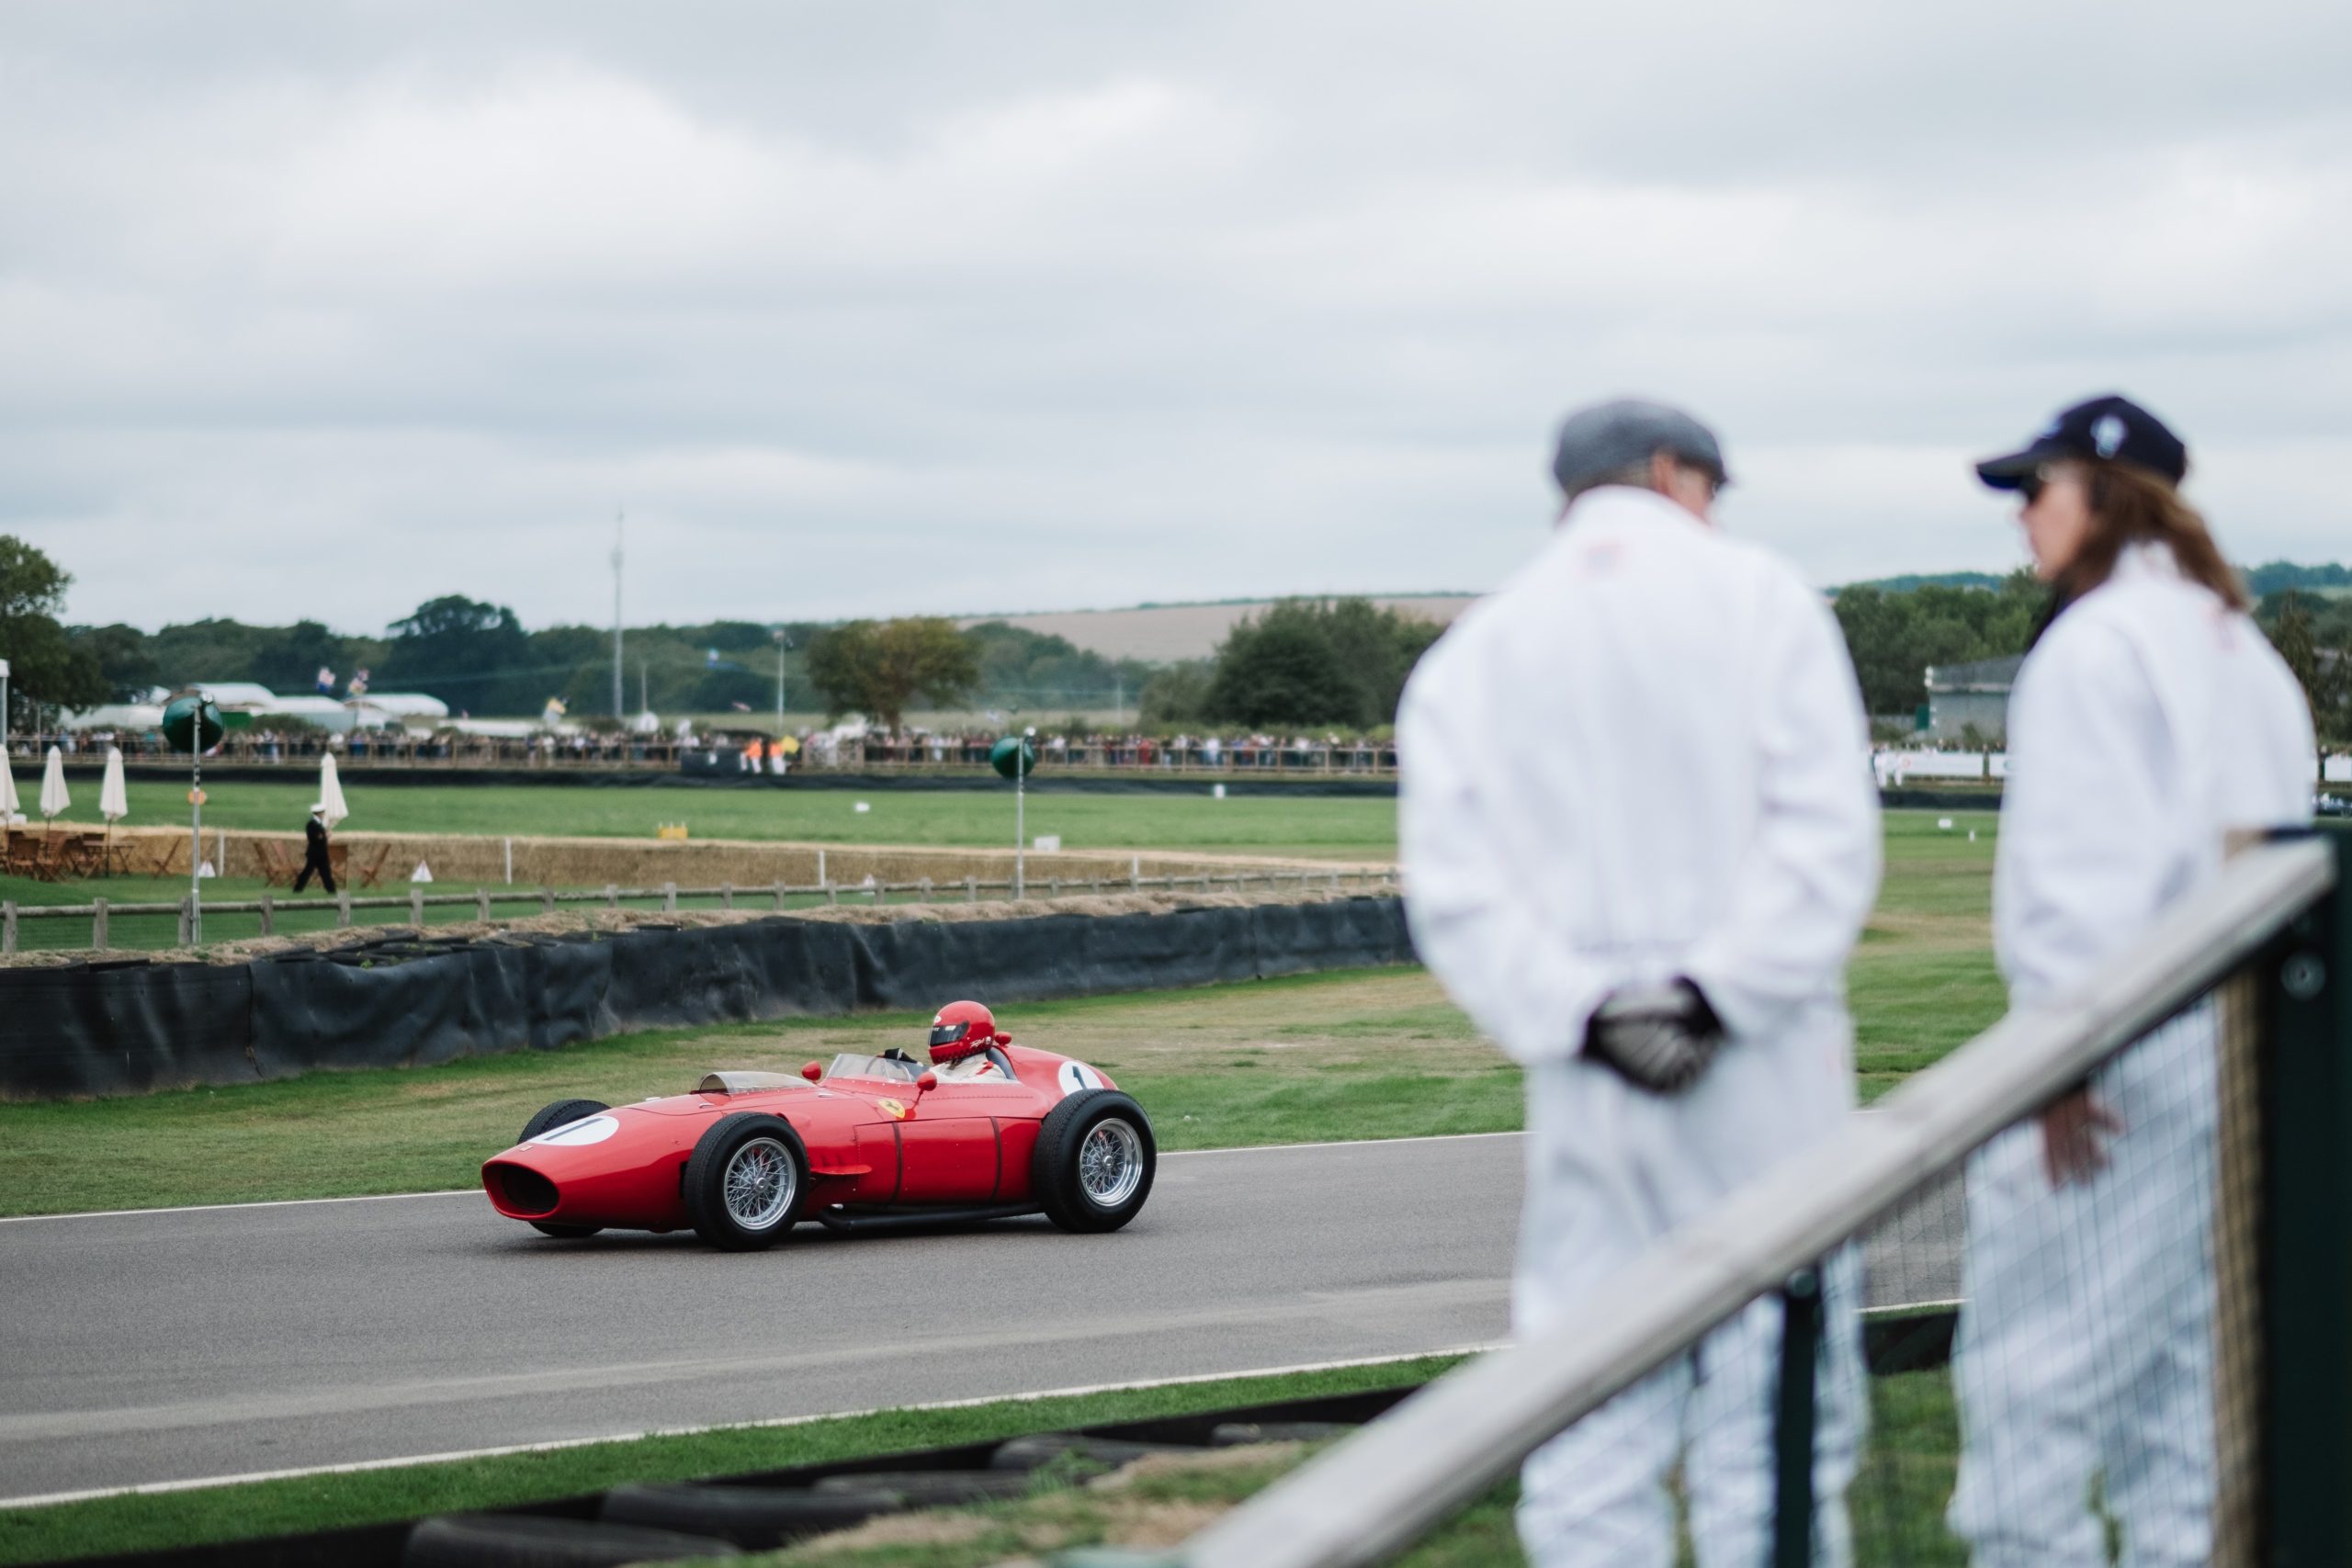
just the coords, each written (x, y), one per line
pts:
(933, 1488)
(1241, 1434)
(401, 1001)
(1095, 1453)
(758, 1518)
(850, 1482)
(511, 1540)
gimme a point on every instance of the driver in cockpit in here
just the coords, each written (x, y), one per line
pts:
(963, 1045)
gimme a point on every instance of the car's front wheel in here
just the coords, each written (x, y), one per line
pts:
(561, 1113)
(1094, 1161)
(744, 1182)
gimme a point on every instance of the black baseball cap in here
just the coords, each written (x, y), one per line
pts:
(2112, 428)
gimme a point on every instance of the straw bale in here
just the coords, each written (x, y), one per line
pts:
(576, 917)
(576, 861)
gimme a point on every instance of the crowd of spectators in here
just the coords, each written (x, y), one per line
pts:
(839, 747)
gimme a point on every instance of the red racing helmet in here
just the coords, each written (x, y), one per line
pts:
(961, 1029)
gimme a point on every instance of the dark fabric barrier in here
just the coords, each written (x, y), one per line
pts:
(99, 1027)
(399, 1001)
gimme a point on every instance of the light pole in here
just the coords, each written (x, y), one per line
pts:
(1020, 815)
(619, 518)
(192, 721)
(1012, 757)
(782, 642)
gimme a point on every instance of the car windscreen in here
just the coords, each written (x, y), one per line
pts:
(851, 1065)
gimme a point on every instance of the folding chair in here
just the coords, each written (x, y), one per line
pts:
(369, 867)
(278, 866)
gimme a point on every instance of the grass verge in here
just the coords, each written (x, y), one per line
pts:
(1154, 1503)
(1351, 1054)
(1334, 827)
(146, 1521)
(1895, 1505)
(1896, 1501)
(1356, 1053)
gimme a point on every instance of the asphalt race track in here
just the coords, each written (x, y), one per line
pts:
(144, 1347)
(216, 1342)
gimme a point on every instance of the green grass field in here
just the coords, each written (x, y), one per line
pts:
(1321, 827)
(1356, 1054)
(1348, 1055)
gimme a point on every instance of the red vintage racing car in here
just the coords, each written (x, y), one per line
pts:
(868, 1142)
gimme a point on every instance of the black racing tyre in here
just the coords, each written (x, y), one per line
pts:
(522, 1541)
(931, 1488)
(1095, 1160)
(1090, 1453)
(746, 1181)
(555, 1115)
(760, 1518)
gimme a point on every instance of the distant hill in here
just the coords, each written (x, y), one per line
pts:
(1911, 580)
(2278, 576)
(2273, 577)
(1161, 634)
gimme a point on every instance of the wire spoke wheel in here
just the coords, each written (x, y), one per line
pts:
(1110, 1162)
(760, 1184)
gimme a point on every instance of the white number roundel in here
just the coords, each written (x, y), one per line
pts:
(587, 1130)
(1076, 1076)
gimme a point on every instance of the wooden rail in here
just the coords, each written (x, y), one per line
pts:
(773, 895)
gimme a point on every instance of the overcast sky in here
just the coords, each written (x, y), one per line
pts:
(322, 311)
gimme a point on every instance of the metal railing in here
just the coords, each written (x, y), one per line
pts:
(773, 895)
(2278, 914)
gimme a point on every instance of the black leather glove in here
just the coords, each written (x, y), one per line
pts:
(1657, 1037)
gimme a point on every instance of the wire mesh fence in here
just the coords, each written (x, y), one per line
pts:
(2134, 1203)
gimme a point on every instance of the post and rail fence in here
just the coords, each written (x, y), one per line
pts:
(775, 896)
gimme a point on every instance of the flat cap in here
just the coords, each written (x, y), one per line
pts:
(1609, 437)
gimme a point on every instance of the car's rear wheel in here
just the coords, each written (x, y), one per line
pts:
(1094, 1161)
(563, 1113)
(745, 1181)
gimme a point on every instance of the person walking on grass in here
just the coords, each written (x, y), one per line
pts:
(1639, 842)
(314, 851)
(2151, 719)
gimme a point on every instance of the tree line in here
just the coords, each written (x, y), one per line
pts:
(478, 658)
(1308, 663)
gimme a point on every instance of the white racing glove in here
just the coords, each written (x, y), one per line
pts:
(1657, 1037)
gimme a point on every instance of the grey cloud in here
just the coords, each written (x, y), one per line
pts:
(862, 310)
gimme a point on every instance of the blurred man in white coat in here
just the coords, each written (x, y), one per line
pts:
(1640, 840)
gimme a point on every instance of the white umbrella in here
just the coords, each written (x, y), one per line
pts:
(114, 801)
(54, 798)
(331, 792)
(12, 811)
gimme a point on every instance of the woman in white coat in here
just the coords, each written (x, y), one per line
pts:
(2151, 719)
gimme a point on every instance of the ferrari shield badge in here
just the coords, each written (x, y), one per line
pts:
(894, 1109)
